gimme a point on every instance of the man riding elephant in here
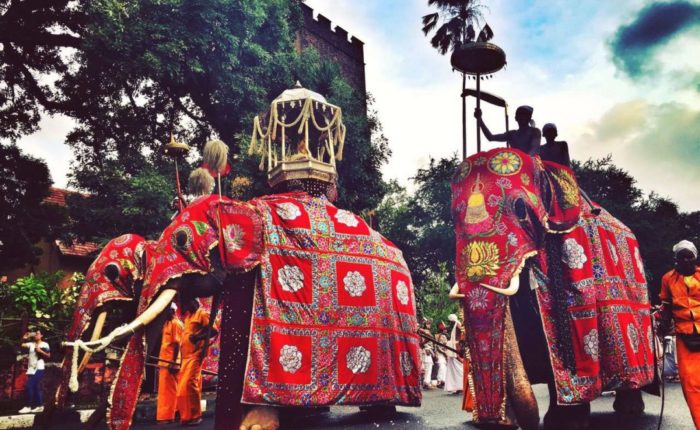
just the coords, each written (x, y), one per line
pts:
(578, 317)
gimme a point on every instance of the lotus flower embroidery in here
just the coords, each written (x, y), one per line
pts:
(480, 259)
(346, 217)
(402, 292)
(354, 283)
(590, 344)
(572, 254)
(290, 358)
(476, 299)
(291, 278)
(288, 211)
(358, 359)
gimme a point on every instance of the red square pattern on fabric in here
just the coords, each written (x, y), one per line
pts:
(290, 214)
(345, 222)
(291, 278)
(290, 359)
(637, 263)
(357, 360)
(586, 341)
(613, 259)
(409, 370)
(355, 283)
(401, 292)
(577, 256)
(634, 340)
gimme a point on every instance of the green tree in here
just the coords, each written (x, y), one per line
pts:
(130, 73)
(24, 183)
(432, 300)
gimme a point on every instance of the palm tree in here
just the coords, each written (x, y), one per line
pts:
(457, 18)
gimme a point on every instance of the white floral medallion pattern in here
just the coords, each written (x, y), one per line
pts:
(590, 344)
(402, 292)
(290, 358)
(406, 363)
(572, 254)
(288, 211)
(354, 283)
(358, 359)
(633, 337)
(613, 252)
(291, 278)
(347, 218)
(233, 237)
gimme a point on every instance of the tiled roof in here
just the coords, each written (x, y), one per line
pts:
(57, 196)
(78, 249)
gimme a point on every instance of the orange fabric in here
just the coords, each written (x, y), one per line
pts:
(689, 373)
(167, 381)
(683, 293)
(467, 399)
(189, 387)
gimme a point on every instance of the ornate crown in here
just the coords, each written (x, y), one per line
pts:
(301, 137)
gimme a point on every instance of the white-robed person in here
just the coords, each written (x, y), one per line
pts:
(454, 378)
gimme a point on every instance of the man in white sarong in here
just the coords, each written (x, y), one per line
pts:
(454, 379)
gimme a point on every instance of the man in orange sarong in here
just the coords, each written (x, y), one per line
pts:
(192, 350)
(167, 367)
(680, 296)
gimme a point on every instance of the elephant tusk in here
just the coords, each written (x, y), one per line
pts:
(99, 325)
(512, 288)
(158, 306)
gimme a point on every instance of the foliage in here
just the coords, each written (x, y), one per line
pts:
(432, 298)
(130, 73)
(458, 18)
(24, 183)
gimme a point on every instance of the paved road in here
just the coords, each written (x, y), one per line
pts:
(442, 411)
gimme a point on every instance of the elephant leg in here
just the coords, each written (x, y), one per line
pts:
(97, 416)
(234, 336)
(573, 417)
(629, 402)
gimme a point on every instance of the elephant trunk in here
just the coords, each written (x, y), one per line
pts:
(518, 387)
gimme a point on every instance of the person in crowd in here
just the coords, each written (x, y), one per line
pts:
(680, 298)
(38, 352)
(167, 366)
(193, 351)
(441, 356)
(526, 138)
(427, 353)
(454, 379)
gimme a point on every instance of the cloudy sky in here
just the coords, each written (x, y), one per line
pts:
(620, 78)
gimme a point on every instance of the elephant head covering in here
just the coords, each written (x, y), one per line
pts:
(685, 245)
(126, 254)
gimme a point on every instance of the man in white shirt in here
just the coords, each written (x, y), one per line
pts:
(38, 351)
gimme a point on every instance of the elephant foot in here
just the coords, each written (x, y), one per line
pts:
(261, 418)
(573, 417)
(628, 402)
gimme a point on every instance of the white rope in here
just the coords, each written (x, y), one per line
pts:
(78, 344)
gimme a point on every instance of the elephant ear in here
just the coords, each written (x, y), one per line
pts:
(561, 197)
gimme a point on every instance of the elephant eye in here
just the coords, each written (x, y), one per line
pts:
(111, 271)
(520, 209)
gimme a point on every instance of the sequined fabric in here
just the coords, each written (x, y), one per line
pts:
(334, 317)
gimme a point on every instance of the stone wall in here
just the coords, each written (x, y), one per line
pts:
(333, 43)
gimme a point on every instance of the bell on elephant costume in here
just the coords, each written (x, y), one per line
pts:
(587, 294)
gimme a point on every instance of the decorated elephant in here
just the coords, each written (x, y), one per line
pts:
(577, 317)
(112, 282)
(318, 308)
